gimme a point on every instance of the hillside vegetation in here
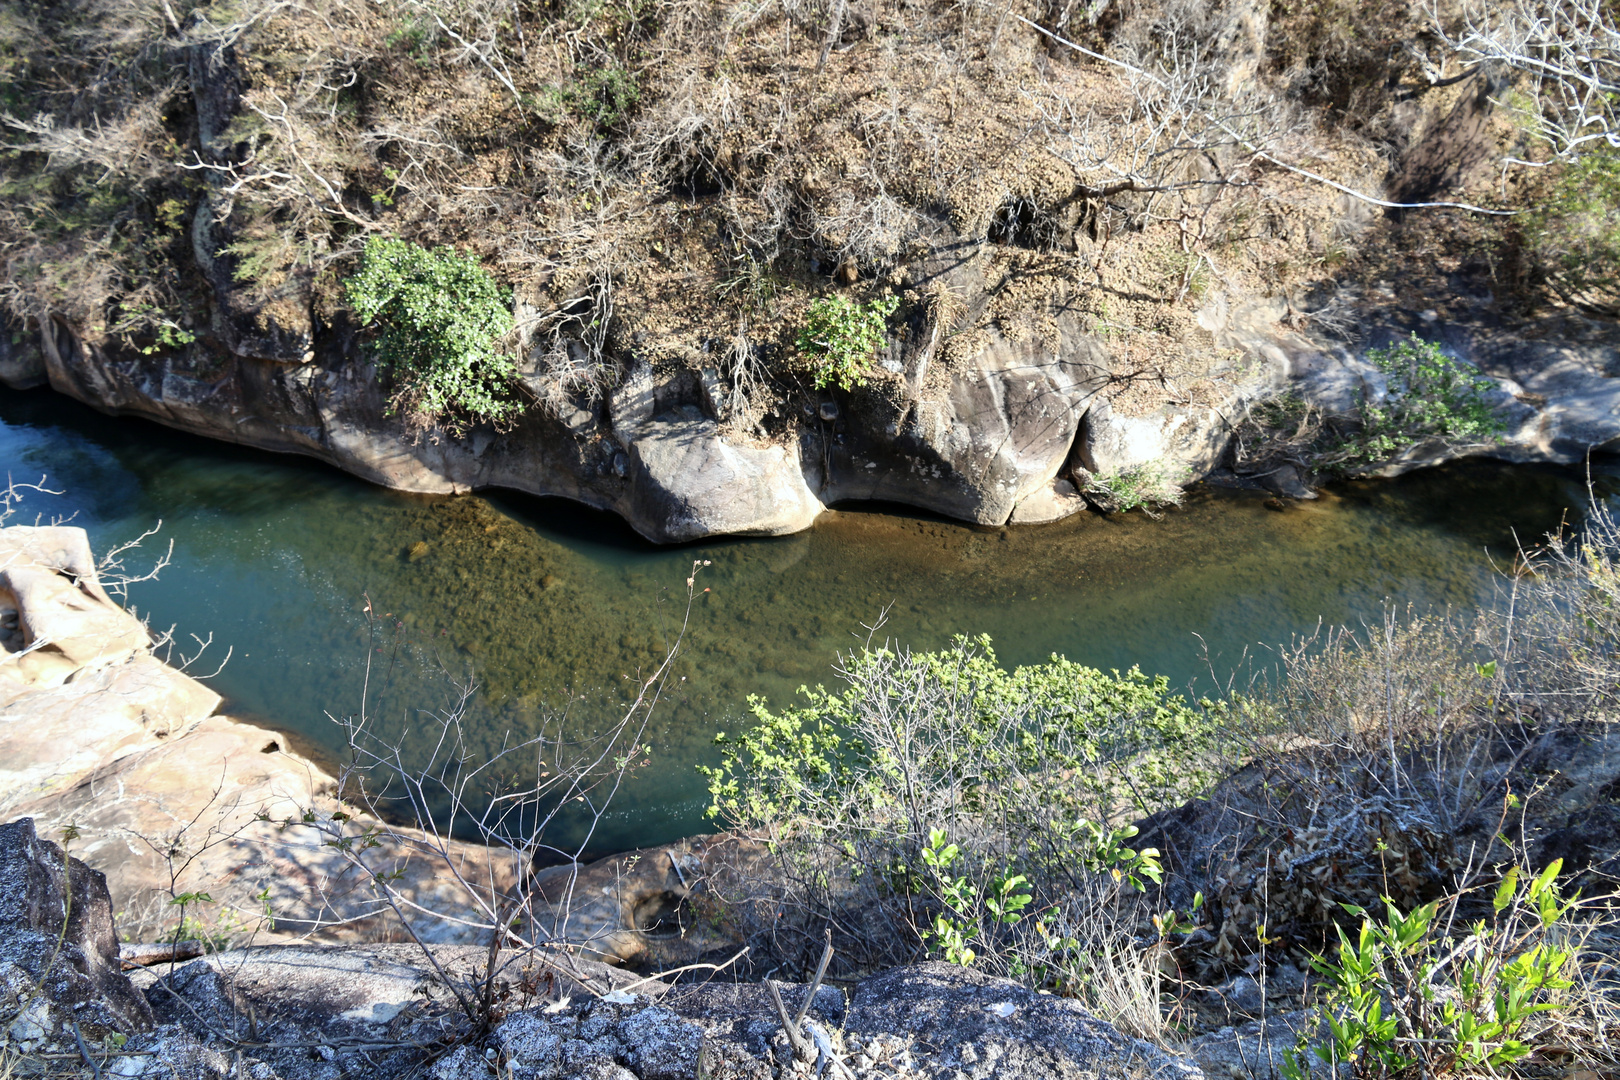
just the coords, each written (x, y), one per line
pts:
(682, 179)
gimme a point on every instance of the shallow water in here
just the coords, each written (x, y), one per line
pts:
(541, 601)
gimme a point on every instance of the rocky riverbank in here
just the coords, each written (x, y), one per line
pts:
(103, 741)
(123, 757)
(306, 1013)
(1013, 433)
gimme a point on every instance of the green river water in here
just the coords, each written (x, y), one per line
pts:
(542, 601)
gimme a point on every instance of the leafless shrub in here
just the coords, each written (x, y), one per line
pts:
(566, 375)
(539, 798)
(1567, 55)
(744, 371)
(866, 229)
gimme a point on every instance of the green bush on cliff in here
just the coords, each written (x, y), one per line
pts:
(938, 793)
(840, 337)
(1429, 396)
(439, 318)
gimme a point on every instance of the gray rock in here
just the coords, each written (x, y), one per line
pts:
(1008, 1031)
(1243, 994)
(532, 1043)
(282, 1007)
(661, 1045)
(1286, 482)
(1056, 501)
(688, 482)
(1254, 1051)
(58, 950)
(1001, 433)
(22, 361)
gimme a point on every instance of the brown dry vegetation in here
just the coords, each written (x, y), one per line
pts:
(679, 178)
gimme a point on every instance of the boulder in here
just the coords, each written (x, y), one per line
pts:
(687, 482)
(48, 578)
(996, 435)
(634, 908)
(966, 1023)
(1054, 502)
(59, 968)
(22, 361)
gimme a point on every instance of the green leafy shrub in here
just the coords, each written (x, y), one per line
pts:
(938, 796)
(841, 337)
(439, 318)
(1141, 487)
(1409, 996)
(1429, 396)
(604, 97)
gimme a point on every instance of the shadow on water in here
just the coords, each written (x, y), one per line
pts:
(547, 604)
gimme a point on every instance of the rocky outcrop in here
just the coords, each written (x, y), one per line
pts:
(22, 361)
(998, 436)
(364, 1011)
(303, 1012)
(994, 445)
(164, 797)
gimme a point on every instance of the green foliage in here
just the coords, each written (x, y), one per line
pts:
(439, 318)
(1140, 487)
(1429, 396)
(964, 793)
(142, 318)
(604, 97)
(840, 337)
(1406, 994)
(1002, 898)
(1575, 233)
(414, 38)
(1060, 725)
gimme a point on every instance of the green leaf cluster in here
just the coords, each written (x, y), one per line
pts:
(841, 337)
(1406, 995)
(439, 318)
(960, 790)
(1429, 396)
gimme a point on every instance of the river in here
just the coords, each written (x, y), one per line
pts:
(544, 603)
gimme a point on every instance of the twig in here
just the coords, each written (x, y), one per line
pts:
(801, 1048)
(815, 984)
(676, 971)
(84, 1051)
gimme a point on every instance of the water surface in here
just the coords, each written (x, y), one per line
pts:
(542, 601)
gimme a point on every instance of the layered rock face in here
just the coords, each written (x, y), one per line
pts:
(165, 797)
(992, 440)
